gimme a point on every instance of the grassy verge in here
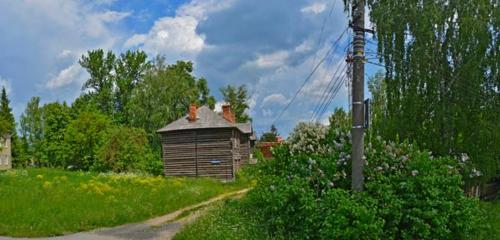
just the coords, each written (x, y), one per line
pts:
(226, 220)
(48, 202)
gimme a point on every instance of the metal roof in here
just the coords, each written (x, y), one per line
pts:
(206, 118)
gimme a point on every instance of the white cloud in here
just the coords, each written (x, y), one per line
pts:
(176, 37)
(112, 16)
(274, 59)
(71, 74)
(314, 8)
(135, 40)
(218, 106)
(304, 47)
(275, 98)
(65, 53)
(267, 113)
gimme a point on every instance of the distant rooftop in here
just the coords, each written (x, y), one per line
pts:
(206, 118)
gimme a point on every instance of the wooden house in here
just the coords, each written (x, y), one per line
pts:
(5, 153)
(204, 143)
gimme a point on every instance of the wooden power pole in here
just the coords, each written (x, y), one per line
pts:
(358, 84)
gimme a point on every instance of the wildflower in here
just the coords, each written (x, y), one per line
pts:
(414, 173)
(47, 184)
(464, 157)
(475, 173)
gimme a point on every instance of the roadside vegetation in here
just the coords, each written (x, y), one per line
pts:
(48, 202)
(304, 193)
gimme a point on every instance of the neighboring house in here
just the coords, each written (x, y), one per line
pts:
(5, 153)
(265, 147)
(204, 143)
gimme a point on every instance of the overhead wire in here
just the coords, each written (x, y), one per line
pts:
(335, 92)
(328, 91)
(321, 101)
(306, 80)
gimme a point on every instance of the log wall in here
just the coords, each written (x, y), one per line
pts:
(245, 149)
(203, 152)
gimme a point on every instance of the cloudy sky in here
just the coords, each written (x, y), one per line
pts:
(271, 46)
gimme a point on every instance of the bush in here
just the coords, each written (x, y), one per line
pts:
(125, 150)
(83, 137)
(305, 192)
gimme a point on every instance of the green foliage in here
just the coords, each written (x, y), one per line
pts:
(100, 84)
(441, 77)
(163, 96)
(83, 137)
(6, 113)
(125, 150)
(129, 68)
(49, 202)
(492, 212)
(112, 125)
(227, 220)
(55, 118)
(205, 98)
(237, 97)
(304, 193)
(8, 127)
(271, 136)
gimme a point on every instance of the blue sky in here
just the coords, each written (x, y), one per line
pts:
(270, 46)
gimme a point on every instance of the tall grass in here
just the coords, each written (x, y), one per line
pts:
(231, 219)
(48, 202)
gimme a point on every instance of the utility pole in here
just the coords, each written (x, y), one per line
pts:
(358, 84)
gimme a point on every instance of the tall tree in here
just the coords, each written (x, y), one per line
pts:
(442, 78)
(55, 118)
(205, 97)
(100, 84)
(237, 97)
(129, 69)
(31, 127)
(6, 111)
(8, 126)
(163, 96)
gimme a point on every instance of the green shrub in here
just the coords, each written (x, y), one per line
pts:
(409, 194)
(83, 137)
(228, 220)
(124, 150)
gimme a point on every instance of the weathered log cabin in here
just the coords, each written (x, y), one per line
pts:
(204, 143)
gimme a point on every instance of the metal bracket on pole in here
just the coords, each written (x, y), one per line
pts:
(361, 29)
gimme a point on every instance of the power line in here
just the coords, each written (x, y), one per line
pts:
(328, 91)
(332, 96)
(325, 90)
(310, 75)
(318, 104)
(320, 40)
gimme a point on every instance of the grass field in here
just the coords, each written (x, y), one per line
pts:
(48, 202)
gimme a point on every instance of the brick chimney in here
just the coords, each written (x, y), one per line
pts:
(227, 113)
(192, 112)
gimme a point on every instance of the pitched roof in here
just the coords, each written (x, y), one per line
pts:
(206, 118)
